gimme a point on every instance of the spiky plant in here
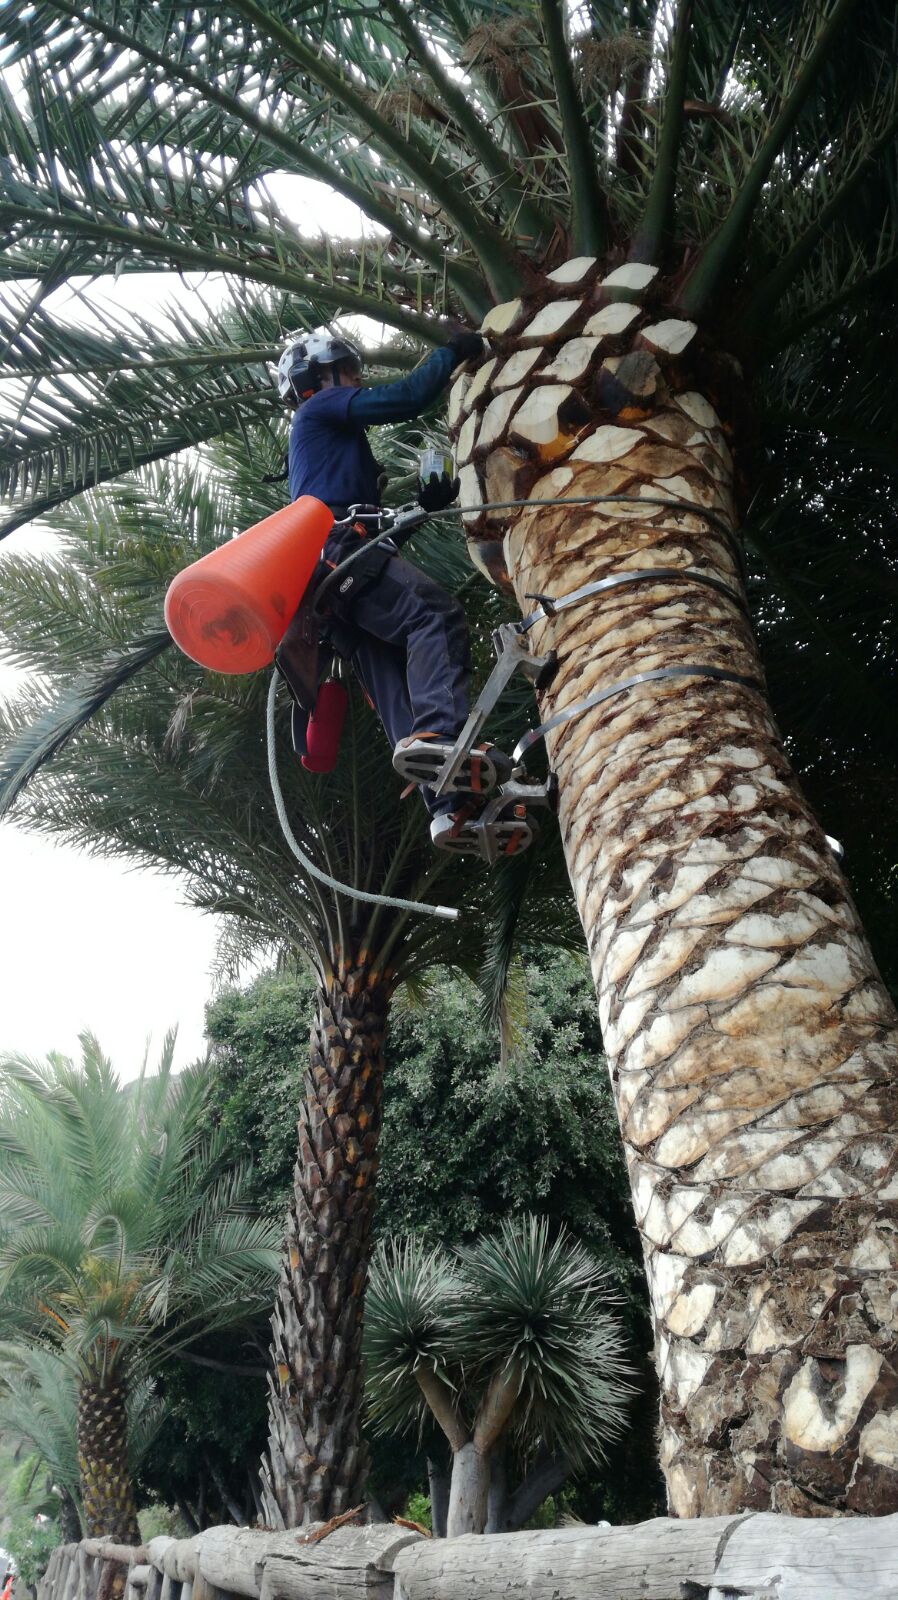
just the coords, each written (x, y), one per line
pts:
(663, 216)
(510, 1337)
(123, 1237)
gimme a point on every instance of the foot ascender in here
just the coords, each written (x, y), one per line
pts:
(479, 771)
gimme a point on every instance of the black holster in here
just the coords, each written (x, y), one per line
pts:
(296, 657)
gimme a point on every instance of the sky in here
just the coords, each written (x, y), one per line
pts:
(93, 944)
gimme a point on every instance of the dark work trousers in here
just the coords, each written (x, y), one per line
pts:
(414, 657)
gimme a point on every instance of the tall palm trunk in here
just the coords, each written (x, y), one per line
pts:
(317, 1460)
(106, 1490)
(750, 1040)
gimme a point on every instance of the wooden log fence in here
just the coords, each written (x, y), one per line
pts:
(757, 1556)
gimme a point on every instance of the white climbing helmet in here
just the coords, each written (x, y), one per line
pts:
(299, 369)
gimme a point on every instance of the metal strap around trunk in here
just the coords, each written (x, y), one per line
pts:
(596, 699)
(548, 605)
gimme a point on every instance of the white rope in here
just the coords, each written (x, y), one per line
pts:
(422, 907)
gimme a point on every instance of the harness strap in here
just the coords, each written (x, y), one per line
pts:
(550, 604)
(600, 695)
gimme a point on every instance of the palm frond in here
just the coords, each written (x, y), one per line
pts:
(59, 724)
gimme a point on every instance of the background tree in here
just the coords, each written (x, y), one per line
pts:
(39, 1388)
(467, 1141)
(669, 207)
(171, 768)
(511, 1338)
(122, 1237)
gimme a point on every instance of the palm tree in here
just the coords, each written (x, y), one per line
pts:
(123, 1237)
(509, 1338)
(662, 216)
(173, 771)
(39, 1406)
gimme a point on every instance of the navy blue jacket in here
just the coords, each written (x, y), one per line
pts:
(330, 456)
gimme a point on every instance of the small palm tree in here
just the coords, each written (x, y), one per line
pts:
(39, 1406)
(508, 1338)
(123, 1237)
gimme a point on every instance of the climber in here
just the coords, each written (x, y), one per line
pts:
(406, 637)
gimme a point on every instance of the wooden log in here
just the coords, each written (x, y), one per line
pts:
(155, 1581)
(203, 1590)
(347, 1563)
(111, 1571)
(156, 1550)
(56, 1570)
(753, 1557)
(71, 1577)
(108, 1550)
(138, 1578)
(178, 1558)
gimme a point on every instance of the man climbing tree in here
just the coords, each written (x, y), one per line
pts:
(406, 637)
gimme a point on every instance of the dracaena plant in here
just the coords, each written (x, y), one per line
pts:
(510, 1341)
(662, 216)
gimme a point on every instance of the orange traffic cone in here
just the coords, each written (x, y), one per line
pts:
(230, 609)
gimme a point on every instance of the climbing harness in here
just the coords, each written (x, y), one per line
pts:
(505, 823)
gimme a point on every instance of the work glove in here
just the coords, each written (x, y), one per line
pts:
(438, 492)
(465, 346)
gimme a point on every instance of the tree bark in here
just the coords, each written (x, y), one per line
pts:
(106, 1491)
(713, 1558)
(317, 1460)
(545, 1476)
(497, 1499)
(438, 1483)
(69, 1520)
(750, 1040)
(468, 1491)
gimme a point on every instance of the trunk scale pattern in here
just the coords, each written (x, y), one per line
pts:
(317, 1461)
(750, 1040)
(106, 1492)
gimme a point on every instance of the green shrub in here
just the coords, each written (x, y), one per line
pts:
(31, 1544)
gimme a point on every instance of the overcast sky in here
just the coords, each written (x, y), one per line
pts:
(86, 943)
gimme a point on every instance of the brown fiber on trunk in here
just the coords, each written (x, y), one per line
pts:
(317, 1460)
(106, 1491)
(750, 1040)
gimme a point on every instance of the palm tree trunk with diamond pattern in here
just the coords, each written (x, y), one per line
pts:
(106, 1490)
(750, 1039)
(317, 1460)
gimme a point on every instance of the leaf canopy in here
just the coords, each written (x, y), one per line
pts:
(522, 1305)
(125, 1231)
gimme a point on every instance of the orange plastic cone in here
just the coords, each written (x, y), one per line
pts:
(230, 609)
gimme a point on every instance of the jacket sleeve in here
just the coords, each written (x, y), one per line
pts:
(407, 397)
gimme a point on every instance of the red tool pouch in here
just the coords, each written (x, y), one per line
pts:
(325, 727)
